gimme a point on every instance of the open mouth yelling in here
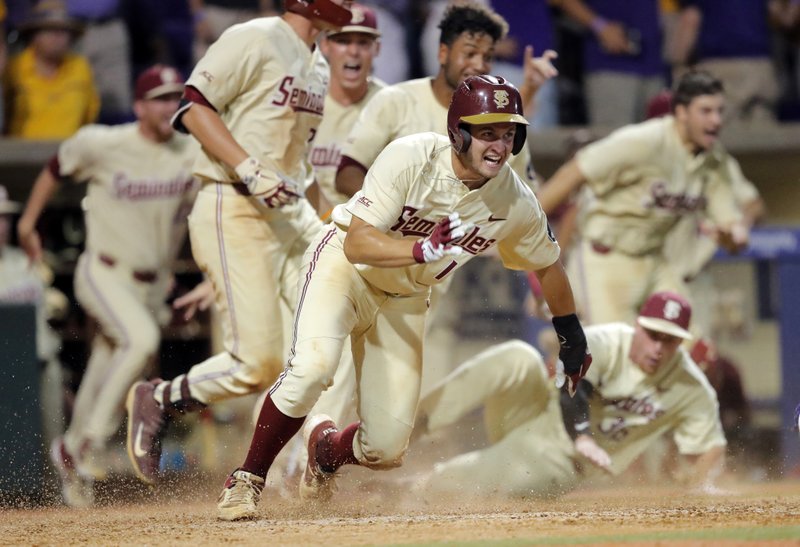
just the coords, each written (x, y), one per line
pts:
(493, 160)
(352, 69)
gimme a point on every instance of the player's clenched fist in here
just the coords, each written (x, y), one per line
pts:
(573, 354)
(270, 192)
(437, 245)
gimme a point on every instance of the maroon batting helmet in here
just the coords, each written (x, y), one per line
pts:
(325, 10)
(480, 100)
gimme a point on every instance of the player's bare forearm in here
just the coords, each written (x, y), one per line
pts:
(560, 186)
(350, 179)
(318, 200)
(43, 189)
(367, 245)
(211, 132)
(556, 289)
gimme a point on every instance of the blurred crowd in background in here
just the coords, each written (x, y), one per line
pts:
(71, 62)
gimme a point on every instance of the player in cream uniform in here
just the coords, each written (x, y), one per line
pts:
(469, 34)
(641, 386)
(21, 284)
(350, 52)
(428, 206)
(254, 102)
(643, 179)
(140, 189)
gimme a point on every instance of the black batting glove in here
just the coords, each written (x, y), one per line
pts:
(574, 357)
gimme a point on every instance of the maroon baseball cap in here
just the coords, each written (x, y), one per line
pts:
(363, 20)
(156, 81)
(666, 312)
(659, 105)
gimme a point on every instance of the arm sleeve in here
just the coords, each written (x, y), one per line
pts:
(722, 207)
(607, 162)
(699, 428)
(534, 247)
(744, 191)
(229, 65)
(77, 153)
(380, 202)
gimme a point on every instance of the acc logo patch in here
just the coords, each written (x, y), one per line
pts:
(501, 98)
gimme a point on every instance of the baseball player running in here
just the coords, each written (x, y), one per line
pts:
(135, 212)
(641, 385)
(428, 206)
(466, 48)
(350, 53)
(643, 178)
(21, 284)
(254, 102)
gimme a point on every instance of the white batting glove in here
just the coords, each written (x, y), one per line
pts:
(269, 192)
(589, 449)
(438, 245)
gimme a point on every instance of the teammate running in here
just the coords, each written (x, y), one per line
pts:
(254, 102)
(140, 189)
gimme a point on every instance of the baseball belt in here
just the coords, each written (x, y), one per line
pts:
(144, 276)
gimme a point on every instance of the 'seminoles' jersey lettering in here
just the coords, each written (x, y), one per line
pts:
(409, 224)
(660, 198)
(285, 91)
(616, 427)
(301, 100)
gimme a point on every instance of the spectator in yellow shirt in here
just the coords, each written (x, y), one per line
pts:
(49, 90)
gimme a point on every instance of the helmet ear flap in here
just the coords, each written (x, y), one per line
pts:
(466, 138)
(519, 139)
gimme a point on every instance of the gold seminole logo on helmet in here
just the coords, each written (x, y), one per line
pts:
(501, 98)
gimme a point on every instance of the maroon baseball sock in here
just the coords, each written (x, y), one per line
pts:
(273, 431)
(336, 449)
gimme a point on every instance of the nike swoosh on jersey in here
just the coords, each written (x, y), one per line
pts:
(137, 443)
(493, 218)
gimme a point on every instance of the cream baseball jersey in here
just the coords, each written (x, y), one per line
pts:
(690, 259)
(404, 109)
(326, 148)
(630, 409)
(644, 179)
(411, 186)
(269, 89)
(139, 192)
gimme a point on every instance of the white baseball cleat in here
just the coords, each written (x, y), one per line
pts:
(240, 496)
(76, 491)
(316, 484)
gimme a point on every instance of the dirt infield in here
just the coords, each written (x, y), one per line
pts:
(766, 514)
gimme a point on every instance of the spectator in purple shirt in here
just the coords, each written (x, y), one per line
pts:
(731, 39)
(530, 25)
(622, 57)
